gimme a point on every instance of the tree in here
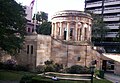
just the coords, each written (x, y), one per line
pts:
(45, 28)
(99, 29)
(44, 17)
(118, 38)
(12, 25)
(118, 34)
(41, 17)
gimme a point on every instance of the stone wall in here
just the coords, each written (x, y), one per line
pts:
(43, 49)
(28, 59)
(70, 54)
(46, 48)
(117, 68)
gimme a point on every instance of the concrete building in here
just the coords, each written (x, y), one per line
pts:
(110, 10)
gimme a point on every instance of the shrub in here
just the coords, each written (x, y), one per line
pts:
(26, 79)
(9, 64)
(21, 68)
(40, 69)
(1, 65)
(49, 68)
(58, 67)
(77, 69)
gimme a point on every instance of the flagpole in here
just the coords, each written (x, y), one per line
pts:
(35, 22)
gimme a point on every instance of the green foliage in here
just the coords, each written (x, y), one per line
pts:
(26, 79)
(13, 66)
(12, 25)
(118, 35)
(41, 17)
(40, 69)
(77, 69)
(50, 66)
(40, 79)
(99, 29)
(23, 76)
(48, 62)
(58, 67)
(45, 28)
(9, 75)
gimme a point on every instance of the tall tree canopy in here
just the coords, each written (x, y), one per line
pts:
(118, 34)
(12, 25)
(99, 29)
(45, 28)
(41, 17)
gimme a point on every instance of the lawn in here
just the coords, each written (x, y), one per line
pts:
(16, 75)
(11, 75)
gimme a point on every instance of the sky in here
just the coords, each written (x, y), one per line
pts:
(52, 6)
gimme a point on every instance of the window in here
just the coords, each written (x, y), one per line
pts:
(78, 59)
(71, 33)
(29, 29)
(31, 49)
(27, 49)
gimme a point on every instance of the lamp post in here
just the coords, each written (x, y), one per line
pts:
(67, 57)
(92, 72)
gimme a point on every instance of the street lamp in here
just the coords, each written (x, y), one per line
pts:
(92, 72)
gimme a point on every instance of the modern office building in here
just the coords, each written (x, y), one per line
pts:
(110, 9)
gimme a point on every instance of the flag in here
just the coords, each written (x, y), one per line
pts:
(32, 4)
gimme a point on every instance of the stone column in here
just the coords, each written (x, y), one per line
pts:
(89, 35)
(76, 31)
(86, 34)
(68, 30)
(55, 31)
(82, 32)
(60, 30)
(52, 34)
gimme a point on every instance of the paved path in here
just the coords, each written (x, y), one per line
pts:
(7, 81)
(112, 77)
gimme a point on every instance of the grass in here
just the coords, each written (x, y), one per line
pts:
(16, 75)
(102, 81)
(70, 81)
(11, 75)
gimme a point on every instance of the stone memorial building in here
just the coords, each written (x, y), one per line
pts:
(69, 43)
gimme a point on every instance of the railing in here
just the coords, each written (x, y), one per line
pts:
(86, 77)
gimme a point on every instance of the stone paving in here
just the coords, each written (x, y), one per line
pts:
(112, 77)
